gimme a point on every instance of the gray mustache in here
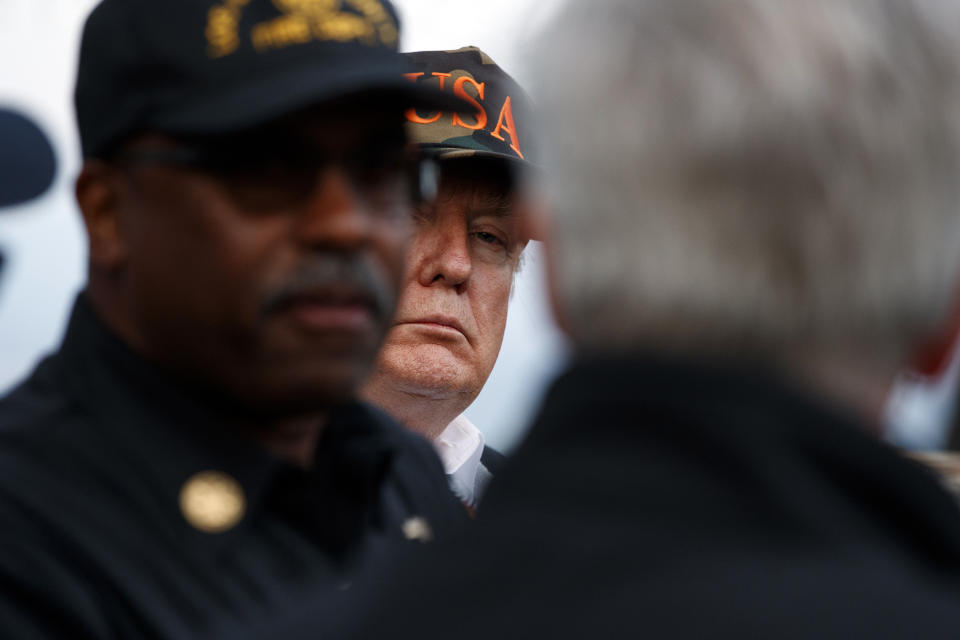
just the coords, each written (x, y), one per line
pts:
(336, 277)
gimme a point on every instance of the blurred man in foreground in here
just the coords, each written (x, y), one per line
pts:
(193, 453)
(757, 219)
(461, 266)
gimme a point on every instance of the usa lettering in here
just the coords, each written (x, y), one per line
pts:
(480, 119)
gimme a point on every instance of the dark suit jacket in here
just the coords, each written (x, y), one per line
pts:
(493, 460)
(661, 499)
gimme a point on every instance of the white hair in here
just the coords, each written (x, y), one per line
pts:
(754, 174)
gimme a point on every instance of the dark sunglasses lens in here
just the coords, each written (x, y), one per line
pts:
(265, 177)
(265, 182)
(381, 174)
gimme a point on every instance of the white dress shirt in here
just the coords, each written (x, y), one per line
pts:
(460, 447)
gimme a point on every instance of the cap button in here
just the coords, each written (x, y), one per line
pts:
(417, 528)
(212, 502)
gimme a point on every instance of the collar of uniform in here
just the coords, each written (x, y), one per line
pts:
(165, 434)
(460, 447)
(724, 391)
(747, 423)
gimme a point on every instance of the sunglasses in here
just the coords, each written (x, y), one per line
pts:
(260, 175)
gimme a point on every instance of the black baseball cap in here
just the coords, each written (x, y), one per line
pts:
(218, 66)
(27, 162)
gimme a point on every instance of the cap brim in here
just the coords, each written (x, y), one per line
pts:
(449, 153)
(311, 83)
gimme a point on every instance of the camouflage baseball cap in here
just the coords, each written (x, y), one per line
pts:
(499, 126)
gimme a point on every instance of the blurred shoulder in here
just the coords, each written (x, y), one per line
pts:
(38, 412)
(416, 478)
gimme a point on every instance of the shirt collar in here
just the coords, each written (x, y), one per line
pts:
(165, 433)
(460, 447)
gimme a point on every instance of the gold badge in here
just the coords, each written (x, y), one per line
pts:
(417, 528)
(212, 502)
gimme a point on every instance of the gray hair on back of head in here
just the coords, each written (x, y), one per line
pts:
(758, 175)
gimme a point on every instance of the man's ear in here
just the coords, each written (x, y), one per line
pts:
(933, 357)
(98, 191)
(532, 216)
(535, 222)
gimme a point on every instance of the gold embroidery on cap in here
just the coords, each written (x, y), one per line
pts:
(222, 32)
(302, 21)
(212, 502)
(376, 13)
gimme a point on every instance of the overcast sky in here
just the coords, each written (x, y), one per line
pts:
(43, 241)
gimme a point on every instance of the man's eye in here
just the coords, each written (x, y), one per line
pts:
(488, 238)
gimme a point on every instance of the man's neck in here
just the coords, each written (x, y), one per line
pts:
(424, 414)
(293, 439)
(861, 387)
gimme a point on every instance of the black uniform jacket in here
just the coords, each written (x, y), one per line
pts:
(661, 499)
(97, 534)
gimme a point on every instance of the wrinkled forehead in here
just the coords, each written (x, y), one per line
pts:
(476, 199)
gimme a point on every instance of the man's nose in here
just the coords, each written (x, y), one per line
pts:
(335, 213)
(442, 255)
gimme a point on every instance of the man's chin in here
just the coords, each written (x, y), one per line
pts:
(298, 390)
(430, 371)
(300, 400)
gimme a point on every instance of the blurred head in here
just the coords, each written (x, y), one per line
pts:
(756, 175)
(249, 237)
(466, 245)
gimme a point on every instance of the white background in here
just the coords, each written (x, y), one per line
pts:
(44, 244)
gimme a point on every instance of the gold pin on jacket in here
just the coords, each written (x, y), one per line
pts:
(417, 528)
(212, 502)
